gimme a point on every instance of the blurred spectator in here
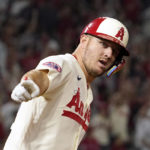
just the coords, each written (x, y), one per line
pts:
(132, 9)
(29, 35)
(51, 48)
(30, 58)
(145, 15)
(17, 6)
(3, 56)
(7, 43)
(2, 132)
(118, 144)
(119, 117)
(8, 112)
(14, 70)
(142, 131)
(101, 126)
(47, 17)
(89, 143)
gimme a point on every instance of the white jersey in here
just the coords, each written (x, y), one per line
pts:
(58, 119)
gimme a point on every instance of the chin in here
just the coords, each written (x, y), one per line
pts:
(100, 71)
(97, 73)
(100, 74)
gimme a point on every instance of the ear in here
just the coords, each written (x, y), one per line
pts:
(84, 38)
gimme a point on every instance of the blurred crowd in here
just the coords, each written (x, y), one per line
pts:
(33, 29)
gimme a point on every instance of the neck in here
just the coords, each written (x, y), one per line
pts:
(78, 55)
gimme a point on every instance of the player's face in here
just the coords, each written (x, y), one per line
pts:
(98, 55)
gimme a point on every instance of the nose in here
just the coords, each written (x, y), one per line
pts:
(108, 52)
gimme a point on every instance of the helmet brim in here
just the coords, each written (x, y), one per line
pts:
(124, 51)
(112, 39)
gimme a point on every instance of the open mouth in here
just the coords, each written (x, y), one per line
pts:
(103, 62)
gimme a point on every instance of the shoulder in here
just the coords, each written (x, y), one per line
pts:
(58, 59)
(57, 62)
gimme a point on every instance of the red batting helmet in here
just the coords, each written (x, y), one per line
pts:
(110, 29)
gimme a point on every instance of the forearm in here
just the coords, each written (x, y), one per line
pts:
(33, 84)
(39, 77)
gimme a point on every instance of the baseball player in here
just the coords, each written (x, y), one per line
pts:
(56, 96)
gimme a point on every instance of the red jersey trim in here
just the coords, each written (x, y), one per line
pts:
(76, 118)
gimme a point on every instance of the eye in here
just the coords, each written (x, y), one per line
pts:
(104, 44)
(116, 52)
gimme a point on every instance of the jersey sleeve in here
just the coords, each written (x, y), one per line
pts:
(58, 68)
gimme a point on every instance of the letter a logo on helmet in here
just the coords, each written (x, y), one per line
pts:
(120, 33)
(110, 29)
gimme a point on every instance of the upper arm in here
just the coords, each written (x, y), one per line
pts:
(57, 69)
